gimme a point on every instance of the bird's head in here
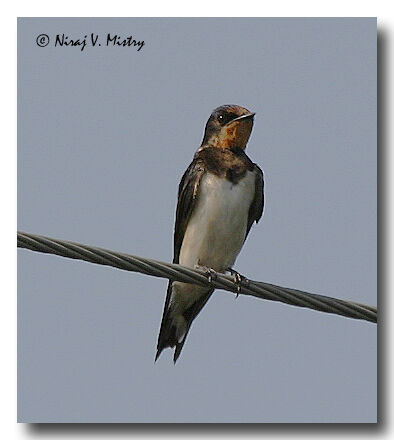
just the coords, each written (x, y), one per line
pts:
(229, 126)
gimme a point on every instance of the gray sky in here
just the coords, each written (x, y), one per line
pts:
(104, 136)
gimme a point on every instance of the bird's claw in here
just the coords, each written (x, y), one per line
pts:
(210, 273)
(238, 280)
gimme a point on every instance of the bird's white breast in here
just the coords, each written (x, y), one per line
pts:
(217, 227)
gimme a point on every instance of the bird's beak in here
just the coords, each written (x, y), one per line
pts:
(240, 118)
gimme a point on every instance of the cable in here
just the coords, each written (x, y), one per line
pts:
(177, 272)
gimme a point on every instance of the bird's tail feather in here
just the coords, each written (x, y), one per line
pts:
(173, 333)
(174, 330)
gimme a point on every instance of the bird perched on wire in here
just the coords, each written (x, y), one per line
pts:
(220, 196)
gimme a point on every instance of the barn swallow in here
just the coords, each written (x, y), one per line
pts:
(220, 196)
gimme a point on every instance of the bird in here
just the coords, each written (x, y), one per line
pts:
(220, 196)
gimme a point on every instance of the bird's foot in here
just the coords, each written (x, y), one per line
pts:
(238, 279)
(209, 272)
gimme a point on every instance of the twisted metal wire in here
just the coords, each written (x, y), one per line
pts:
(177, 272)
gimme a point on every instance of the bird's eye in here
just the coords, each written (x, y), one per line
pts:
(224, 118)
